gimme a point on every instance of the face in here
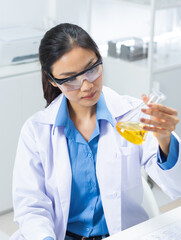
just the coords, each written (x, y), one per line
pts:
(71, 63)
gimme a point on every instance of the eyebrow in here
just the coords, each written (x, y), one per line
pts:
(86, 66)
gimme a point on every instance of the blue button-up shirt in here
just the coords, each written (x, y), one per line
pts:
(86, 216)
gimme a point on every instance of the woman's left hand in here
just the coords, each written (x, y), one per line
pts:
(163, 121)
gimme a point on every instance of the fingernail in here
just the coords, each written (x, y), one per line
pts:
(150, 105)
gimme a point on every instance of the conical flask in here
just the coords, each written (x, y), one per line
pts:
(130, 126)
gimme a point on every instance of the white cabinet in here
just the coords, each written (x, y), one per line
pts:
(124, 77)
(20, 96)
(32, 94)
(10, 123)
(170, 84)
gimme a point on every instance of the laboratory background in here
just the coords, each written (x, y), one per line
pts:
(140, 41)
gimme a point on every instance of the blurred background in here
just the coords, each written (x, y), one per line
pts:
(140, 41)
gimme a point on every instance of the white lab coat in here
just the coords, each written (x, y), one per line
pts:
(42, 174)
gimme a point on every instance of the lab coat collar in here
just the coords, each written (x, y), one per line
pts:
(48, 115)
(117, 105)
(63, 118)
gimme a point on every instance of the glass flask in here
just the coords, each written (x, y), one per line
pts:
(130, 126)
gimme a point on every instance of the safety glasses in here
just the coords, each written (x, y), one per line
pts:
(75, 82)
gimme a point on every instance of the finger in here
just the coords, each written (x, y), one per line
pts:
(159, 124)
(158, 131)
(162, 108)
(161, 115)
(155, 129)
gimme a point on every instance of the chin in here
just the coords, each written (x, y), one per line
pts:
(91, 102)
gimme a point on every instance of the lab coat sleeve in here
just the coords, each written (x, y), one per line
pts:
(170, 179)
(32, 208)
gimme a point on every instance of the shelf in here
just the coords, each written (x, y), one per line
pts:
(13, 70)
(159, 65)
(160, 4)
(171, 62)
(140, 64)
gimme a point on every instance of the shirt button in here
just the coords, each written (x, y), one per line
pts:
(87, 229)
(93, 184)
(90, 155)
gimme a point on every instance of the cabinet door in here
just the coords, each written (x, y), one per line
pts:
(170, 85)
(32, 94)
(10, 124)
(124, 77)
(20, 97)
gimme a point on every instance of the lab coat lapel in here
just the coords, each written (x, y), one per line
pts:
(108, 167)
(62, 170)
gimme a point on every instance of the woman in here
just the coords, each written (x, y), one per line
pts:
(74, 175)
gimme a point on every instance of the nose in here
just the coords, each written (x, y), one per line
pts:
(86, 85)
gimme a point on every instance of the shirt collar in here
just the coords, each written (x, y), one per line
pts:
(63, 118)
(103, 112)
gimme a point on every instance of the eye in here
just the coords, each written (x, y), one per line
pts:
(91, 71)
(72, 79)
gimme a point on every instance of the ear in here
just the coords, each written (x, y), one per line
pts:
(53, 83)
(49, 79)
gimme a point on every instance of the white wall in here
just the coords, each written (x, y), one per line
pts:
(42, 13)
(110, 19)
(113, 19)
(22, 12)
(73, 11)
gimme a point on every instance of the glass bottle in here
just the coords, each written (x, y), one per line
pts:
(130, 127)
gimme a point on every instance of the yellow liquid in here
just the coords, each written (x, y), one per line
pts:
(132, 131)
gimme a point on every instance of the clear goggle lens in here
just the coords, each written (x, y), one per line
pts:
(91, 75)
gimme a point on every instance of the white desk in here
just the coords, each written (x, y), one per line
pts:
(152, 227)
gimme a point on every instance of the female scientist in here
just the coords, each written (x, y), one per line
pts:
(75, 177)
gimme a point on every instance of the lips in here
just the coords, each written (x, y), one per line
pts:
(89, 96)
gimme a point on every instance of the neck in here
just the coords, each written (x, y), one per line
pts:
(80, 113)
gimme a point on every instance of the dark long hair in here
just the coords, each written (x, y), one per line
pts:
(55, 43)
